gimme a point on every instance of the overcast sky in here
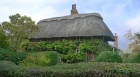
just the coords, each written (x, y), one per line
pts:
(119, 15)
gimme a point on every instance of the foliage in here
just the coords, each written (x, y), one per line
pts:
(67, 48)
(1, 57)
(30, 46)
(15, 57)
(136, 58)
(64, 46)
(134, 39)
(35, 60)
(96, 46)
(108, 56)
(52, 55)
(127, 57)
(3, 39)
(19, 28)
(40, 58)
(92, 69)
(73, 57)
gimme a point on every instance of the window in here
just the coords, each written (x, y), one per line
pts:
(80, 39)
(49, 39)
(77, 50)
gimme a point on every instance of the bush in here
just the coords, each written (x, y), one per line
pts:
(30, 46)
(35, 60)
(136, 58)
(128, 57)
(7, 69)
(108, 56)
(52, 55)
(73, 57)
(91, 69)
(40, 58)
(15, 57)
(1, 57)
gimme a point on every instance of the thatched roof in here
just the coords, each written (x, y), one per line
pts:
(76, 25)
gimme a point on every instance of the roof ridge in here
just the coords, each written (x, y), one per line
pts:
(71, 17)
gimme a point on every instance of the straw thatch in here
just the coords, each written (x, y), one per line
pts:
(76, 25)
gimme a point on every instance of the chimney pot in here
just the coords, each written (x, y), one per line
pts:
(74, 11)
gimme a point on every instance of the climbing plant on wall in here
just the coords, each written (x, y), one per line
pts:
(67, 49)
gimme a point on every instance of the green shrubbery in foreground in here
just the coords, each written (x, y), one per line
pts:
(15, 57)
(136, 58)
(40, 59)
(35, 60)
(29, 59)
(108, 56)
(91, 69)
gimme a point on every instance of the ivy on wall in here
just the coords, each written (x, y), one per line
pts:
(67, 49)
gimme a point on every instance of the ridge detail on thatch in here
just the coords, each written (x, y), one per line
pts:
(71, 17)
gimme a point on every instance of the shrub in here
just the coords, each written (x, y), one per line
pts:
(7, 63)
(40, 58)
(52, 55)
(15, 57)
(34, 60)
(128, 57)
(136, 58)
(73, 57)
(108, 56)
(8, 68)
(91, 69)
(1, 57)
(30, 46)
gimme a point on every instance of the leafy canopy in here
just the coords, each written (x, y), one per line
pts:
(19, 28)
(134, 39)
(3, 39)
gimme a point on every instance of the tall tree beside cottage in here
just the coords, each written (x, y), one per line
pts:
(134, 39)
(18, 29)
(3, 39)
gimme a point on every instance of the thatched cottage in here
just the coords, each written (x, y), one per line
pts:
(74, 26)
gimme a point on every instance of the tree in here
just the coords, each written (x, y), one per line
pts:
(3, 39)
(134, 39)
(18, 29)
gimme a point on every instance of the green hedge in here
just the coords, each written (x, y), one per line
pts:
(108, 56)
(1, 57)
(17, 57)
(52, 55)
(92, 69)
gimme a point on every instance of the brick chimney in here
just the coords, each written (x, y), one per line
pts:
(73, 10)
(116, 41)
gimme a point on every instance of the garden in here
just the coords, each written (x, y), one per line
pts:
(21, 57)
(46, 64)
